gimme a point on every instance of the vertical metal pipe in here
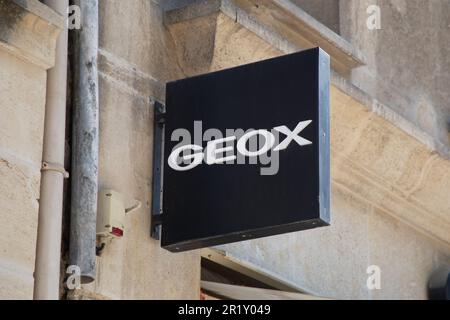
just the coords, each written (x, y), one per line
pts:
(48, 245)
(85, 140)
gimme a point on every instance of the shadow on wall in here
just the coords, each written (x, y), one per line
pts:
(171, 4)
(408, 59)
(325, 11)
(414, 56)
(11, 15)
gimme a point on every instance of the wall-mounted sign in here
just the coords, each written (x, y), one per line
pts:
(247, 152)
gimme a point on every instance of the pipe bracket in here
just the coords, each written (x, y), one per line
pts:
(48, 166)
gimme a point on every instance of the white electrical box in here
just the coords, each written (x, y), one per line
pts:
(110, 214)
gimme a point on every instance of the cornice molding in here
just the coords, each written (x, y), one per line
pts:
(29, 30)
(387, 168)
(276, 21)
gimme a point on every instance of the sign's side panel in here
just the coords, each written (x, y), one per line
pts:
(324, 133)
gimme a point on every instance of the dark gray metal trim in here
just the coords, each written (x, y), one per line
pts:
(324, 134)
(158, 168)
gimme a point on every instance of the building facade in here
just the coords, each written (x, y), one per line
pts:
(390, 151)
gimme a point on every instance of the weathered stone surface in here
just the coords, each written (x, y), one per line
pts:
(22, 104)
(406, 259)
(280, 22)
(143, 41)
(325, 11)
(19, 193)
(15, 283)
(408, 59)
(29, 29)
(135, 267)
(133, 67)
(22, 101)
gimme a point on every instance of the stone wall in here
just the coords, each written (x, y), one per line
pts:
(23, 79)
(325, 11)
(408, 59)
(135, 61)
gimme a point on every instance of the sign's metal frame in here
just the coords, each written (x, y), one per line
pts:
(158, 170)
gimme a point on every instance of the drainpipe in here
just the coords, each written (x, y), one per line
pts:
(48, 245)
(85, 139)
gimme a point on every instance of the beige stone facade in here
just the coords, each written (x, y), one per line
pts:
(390, 149)
(28, 32)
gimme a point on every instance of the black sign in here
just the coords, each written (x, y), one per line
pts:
(247, 152)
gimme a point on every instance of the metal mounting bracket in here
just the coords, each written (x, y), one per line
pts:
(158, 167)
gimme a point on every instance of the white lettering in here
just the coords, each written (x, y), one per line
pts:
(268, 144)
(293, 135)
(212, 151)
(197, 157)
(217, 152)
